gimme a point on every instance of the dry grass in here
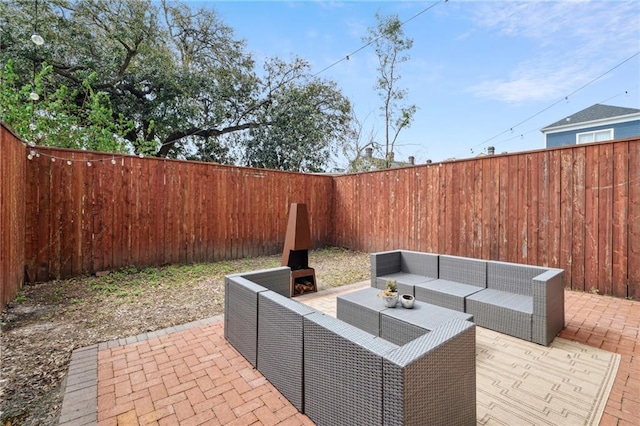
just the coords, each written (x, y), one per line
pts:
(49, 320)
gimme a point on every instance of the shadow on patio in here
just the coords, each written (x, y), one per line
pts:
(190, 375)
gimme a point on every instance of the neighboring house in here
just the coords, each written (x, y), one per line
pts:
(595, 124)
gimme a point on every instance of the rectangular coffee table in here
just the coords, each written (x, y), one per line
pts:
(398, 325)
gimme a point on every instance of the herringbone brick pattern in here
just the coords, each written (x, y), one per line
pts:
(192, 376)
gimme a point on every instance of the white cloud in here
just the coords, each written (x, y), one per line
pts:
(572, 42)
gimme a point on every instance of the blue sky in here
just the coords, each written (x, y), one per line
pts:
(478, 69)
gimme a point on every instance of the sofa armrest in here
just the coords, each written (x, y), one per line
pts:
(241, 315)
(275, 279)
(280, 344)
(548, 306)
(432, 379)
(342, 372)
(384, 263)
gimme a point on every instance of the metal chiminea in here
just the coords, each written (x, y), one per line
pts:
(296, 251)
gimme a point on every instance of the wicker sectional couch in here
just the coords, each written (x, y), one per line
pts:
(337, 373)
(520, 300)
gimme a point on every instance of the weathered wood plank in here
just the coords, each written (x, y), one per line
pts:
(566, 210)
(591, 218)
(619, 237)
(574, 207)
(533, 200)
(503, 208)
(513, 240)
(605, 216)
(634, 221)
(577, 278)
(543, 211)
(522, 210)
(554, 208)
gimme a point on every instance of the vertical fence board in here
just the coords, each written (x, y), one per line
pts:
(478, 247)
(543, 209)
(43, 218)
(14, 172)
(566, 209)
(619, 238)
(577, 278)
(513, 192)
(634, 221)
(591, 218)
(495, 236)
(554, 209)
(575, 207)
(503, 207)
(484, 216)
(605, 214)
(533, 200)
(522, 209)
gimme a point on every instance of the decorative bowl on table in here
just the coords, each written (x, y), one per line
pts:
(407, 301)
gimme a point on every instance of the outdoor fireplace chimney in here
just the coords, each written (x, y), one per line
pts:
(296, 251)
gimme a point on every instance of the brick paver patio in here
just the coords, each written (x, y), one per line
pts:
(189, 375)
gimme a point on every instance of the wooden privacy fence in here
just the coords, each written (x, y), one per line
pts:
(102, 212)
(576, 208)
(12, 210)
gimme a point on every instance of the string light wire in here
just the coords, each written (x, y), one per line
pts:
(564, 98)
(350, 55)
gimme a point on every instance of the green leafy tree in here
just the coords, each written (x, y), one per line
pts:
(178, 75)
(391, 45)
(55, 119)
(300, 109)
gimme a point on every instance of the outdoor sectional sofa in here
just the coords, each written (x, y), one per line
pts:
(339, 374)
(519, 300)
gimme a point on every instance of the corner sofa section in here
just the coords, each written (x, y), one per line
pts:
(520, 300)
(339, 374)
(407, 268)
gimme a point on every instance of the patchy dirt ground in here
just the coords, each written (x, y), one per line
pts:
(48, 321)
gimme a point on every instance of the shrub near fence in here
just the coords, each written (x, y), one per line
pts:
(12, 214)
(575, 208)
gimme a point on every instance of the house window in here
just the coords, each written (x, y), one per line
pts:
(597, 136)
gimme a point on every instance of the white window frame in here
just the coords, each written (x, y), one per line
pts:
(593, 133)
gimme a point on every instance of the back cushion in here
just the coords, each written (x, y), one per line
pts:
(425, 264)
(463, 270)
(385, 263)
(511, 277)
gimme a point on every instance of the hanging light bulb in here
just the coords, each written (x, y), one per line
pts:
(88, 163)
(34, 96)
(30, 156)
(37, 39)
(53, 159)
(68, 162)
(113, 160)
